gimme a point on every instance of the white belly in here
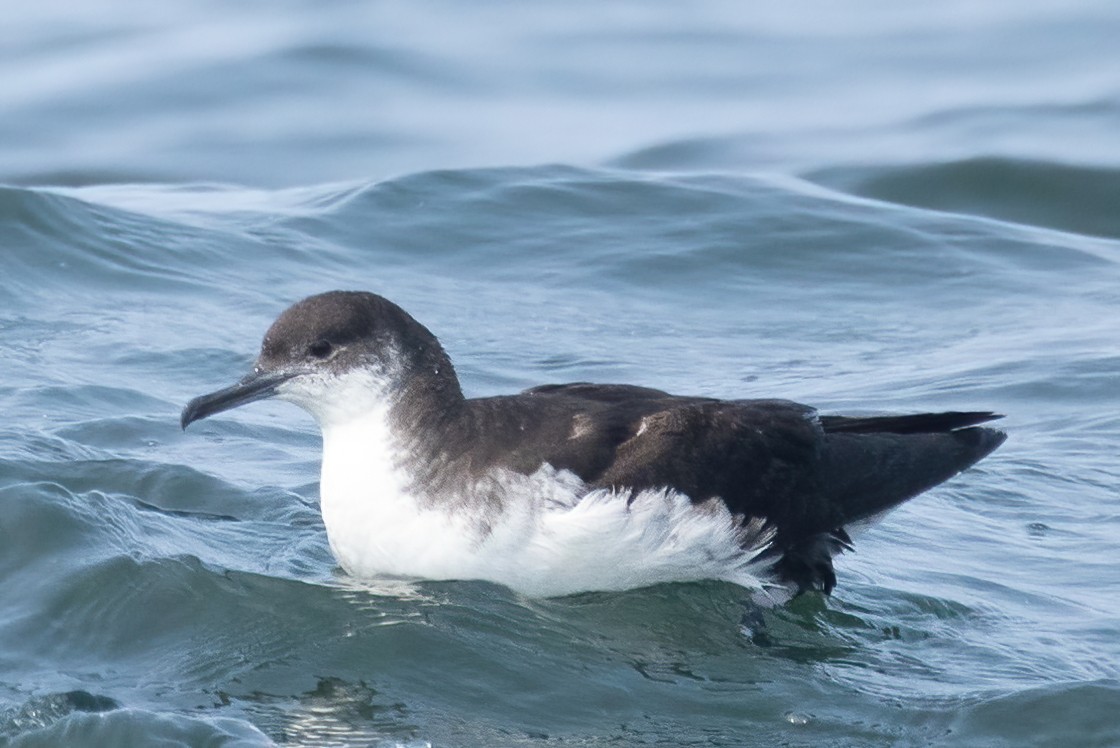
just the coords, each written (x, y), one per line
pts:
(545, 534)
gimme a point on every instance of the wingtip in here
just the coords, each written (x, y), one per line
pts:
(985, 440)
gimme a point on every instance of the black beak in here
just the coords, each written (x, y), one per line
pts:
(256, 386)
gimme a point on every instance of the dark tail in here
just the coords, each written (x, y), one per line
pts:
(879, 462)
(873, 464)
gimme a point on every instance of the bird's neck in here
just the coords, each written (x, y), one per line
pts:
(423, 403)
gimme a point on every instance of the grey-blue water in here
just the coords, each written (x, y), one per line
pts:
(864, 206)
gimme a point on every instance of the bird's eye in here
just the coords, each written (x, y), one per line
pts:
(320, 349)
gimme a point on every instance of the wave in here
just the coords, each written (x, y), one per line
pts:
(1066, 197)
(548, 220)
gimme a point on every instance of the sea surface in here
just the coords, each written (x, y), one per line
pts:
(865, 206)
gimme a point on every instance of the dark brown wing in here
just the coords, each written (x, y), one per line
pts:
(761, 457)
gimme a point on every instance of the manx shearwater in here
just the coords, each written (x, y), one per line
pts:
(567, 488)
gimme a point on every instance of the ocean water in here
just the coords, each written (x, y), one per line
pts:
(866, 207)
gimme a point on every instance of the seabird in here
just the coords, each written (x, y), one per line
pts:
(567, 488)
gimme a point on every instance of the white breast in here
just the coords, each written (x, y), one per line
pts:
(374, 525)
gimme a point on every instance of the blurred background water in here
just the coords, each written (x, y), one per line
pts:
(863, 206)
